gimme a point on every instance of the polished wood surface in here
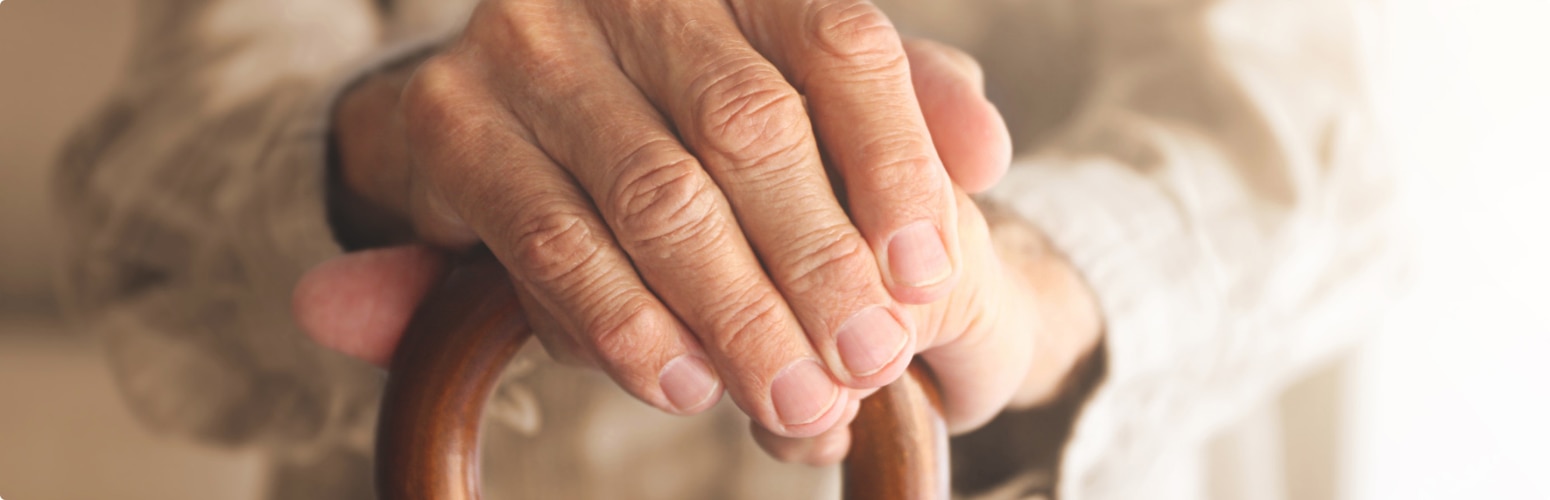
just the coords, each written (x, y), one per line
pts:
(465, 333)
(898, 447)
(442, 373)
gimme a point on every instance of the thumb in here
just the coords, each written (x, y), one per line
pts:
(970, 135)
(360, 303)
(982, 342)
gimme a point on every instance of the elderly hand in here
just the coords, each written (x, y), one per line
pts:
(649, 175)
(1009, 335)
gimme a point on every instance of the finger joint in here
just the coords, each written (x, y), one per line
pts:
(626, 334)
(855, 31)
(748, 113)
(554, 249)
(662, 197)
(748, 322)
(832, 262)
(899, 164)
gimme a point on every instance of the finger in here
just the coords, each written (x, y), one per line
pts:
(560, 343)
(981, 368)
(849, 62)
(822, 450)
(969, 133)
(749, 130)
(360, 303)
(543, 229)
(682, 236)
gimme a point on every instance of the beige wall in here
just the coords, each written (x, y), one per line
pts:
(64, 433)
(57, 60)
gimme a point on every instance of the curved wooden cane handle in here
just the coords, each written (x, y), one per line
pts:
(465, 333)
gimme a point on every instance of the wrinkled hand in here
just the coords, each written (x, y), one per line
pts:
(1009, 335)
(651, 178)
(1006, 335)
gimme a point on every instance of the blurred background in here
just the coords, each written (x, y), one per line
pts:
(1451, 400)
(64, 432)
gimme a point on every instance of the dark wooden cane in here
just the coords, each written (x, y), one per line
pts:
(465, 333)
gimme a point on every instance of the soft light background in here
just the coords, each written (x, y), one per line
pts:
(1451, 401)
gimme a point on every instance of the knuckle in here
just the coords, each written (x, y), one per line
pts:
(442, 112)
(553, 248)
(510, 16)
(856, 31)
(832, 261)
(526, 28)
(622, 336)
(434, 99)
(747, 323)
(905, 176)
(662, 198)
(749, 113)
(904, 167)
(532, 42)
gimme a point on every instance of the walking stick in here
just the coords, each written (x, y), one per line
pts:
(466, 331)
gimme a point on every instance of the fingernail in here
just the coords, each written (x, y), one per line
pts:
(802, 393)
(869, 340)
(916, 256)
(688, 382)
